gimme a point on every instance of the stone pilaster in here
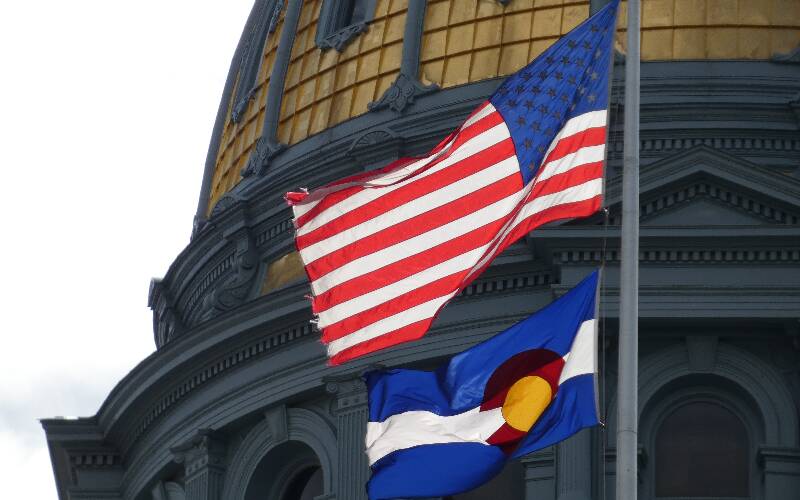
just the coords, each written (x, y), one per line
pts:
(574, 467)
(781, 468)
(350, 409)
(539, 474)
(203, 457)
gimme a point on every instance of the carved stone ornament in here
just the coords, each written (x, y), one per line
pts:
(166, 323)
(234, 290)
(264, 151)
(402, 93)
(203, 450)
(341, 38)
(224, 203)
(240, 107)
(372, 138)
(374, 148)
(792, 57)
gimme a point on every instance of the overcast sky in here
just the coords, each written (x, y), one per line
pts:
(106, 110)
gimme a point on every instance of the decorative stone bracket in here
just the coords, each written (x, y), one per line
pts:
(264, 151)
(234, 290)
(792, 57)
(402, 93)
(376, 148)
(203, 457)
(166, 322)
(407, 87)
(342, 37)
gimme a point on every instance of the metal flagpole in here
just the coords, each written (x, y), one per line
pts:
(627, 387)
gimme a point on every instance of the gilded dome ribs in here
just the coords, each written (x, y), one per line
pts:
(268, 146)
(388, 53)
(407, 86)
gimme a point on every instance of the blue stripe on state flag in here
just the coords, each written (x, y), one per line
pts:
(447, 431)
(569, 79)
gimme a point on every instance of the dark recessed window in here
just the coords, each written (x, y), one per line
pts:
(342, 20)
(306, 485)
(702, 451)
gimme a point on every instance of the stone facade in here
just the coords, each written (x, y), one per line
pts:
(237, 403)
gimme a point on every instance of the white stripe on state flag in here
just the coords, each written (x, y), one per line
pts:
(416, 428)
(582, 356)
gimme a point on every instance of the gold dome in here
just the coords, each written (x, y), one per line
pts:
(465, 41)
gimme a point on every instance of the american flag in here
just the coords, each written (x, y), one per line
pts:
(386, 250)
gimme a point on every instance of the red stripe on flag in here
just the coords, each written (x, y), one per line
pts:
(415, 297)
(410, 192)
(415, 226)
(590, 137)
(407, 267)
(407, 333)
(461, 136)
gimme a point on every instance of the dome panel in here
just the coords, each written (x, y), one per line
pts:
(325, 87)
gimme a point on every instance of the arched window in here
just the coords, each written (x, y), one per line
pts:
(290, 471)
(701, 451)
(305, 485)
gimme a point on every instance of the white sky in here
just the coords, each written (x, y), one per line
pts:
(106, 111)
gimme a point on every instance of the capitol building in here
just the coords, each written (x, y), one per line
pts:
(238, 403)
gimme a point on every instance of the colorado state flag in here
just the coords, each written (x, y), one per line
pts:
(448, 431)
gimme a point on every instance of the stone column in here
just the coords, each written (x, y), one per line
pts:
(203, 457)
(539, 475)
(574, 467)
(781, 471)
(350, 409)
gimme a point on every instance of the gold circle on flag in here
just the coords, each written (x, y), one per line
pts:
(525, 402)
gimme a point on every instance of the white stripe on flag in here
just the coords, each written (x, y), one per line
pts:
(582, 356)
(412, 246)
(407, 211)
(415, 428)
(578, 124)
(471, 147)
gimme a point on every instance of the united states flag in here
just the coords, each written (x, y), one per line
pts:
(385, 250)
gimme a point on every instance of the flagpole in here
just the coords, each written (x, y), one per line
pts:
(627, 386)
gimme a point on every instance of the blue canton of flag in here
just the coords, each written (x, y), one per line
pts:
(445, 432)
(569, 80)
